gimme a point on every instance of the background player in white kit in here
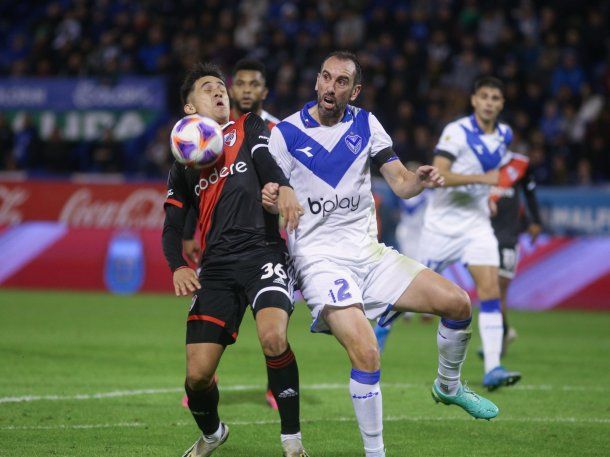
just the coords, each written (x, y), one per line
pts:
(457, 225)
(344, 273)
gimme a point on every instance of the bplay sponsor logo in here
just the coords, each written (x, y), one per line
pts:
(331, 205)
(217, 175)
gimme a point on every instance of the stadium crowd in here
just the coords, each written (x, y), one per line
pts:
(420, 59)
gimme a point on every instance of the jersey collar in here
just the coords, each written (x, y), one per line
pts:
(224, 126)
(475, 125)
(309, 121)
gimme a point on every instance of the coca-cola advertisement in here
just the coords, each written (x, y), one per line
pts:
(83, 205)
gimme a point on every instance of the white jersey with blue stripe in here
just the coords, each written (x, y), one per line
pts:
(329, 169)
(453, 210)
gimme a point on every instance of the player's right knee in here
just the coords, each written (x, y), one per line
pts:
(198, 380)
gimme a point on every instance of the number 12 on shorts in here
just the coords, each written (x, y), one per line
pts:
(341, 292)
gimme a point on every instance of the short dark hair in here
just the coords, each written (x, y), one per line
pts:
(347, 55)
(199, 70)
(250, 64)
(489, 81)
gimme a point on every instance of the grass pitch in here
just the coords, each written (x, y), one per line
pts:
(100, 375)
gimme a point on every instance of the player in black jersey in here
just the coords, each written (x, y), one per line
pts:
(243, 261)
(247, 93)
(515, 177)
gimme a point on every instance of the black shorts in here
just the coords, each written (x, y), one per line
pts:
(260, 280)
(509, 257)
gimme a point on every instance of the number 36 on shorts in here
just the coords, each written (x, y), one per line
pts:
(269, 270)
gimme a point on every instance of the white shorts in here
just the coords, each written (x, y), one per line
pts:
(376, 282)
(478, 246)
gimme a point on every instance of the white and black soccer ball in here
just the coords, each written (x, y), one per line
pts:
(197, 141)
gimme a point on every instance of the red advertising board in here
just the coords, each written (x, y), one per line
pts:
(82, 205)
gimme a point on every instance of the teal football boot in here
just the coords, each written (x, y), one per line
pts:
(475, 405)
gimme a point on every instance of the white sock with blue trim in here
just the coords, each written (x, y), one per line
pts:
(491, 328)
(452, 339)
(365, 391)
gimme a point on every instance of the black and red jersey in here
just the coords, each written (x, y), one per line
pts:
(515, 177)
(230, 218)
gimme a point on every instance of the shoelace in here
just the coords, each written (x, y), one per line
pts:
(470, 392)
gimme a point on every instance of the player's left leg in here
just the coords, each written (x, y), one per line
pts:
(282, 374)
(269, 286)
(429, 292)
(509, 333)
(509, 256)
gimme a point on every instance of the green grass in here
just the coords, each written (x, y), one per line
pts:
(66, 344)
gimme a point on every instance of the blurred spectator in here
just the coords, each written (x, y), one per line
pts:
(569, 74)
(106, 154)
(27, 145)
(158, 156)
(552, 123)
(349, 29)
(7, 139)
(55, 153)
(560, 175)
(584, 175)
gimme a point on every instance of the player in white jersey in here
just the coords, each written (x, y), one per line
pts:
(344, 273)
(457, 226)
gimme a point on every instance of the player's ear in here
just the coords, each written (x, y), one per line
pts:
(317, 79)
(265, 93)
(472, 100)
(355, 91)
(189, 108)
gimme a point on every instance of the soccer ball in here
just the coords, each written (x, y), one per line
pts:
(197, 141)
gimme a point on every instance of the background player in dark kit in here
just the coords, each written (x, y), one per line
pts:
(242, 262)
(508, 223)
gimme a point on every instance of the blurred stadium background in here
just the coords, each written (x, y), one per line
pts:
(89, 93)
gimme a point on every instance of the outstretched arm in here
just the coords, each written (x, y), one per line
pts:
(443, 164)
(407, 184)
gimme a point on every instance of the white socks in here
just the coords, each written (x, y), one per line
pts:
(366, 397)
(214, 436)
(491, 330)
(452, 340)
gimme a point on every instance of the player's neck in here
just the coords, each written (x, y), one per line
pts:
(487, 126)
(236, 113)
(326, 121)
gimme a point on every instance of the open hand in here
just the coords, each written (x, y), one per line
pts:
(185, 281)
(429, 177)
